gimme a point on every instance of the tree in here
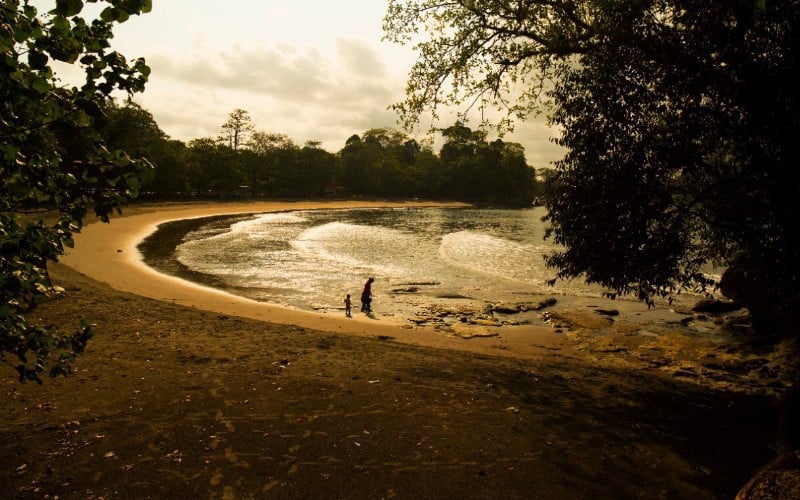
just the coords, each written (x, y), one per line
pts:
(460, 142)
(379, 163)
(264, 143)
(172, 177)
(315, 167)
(273, 151)
(705, 142)
(53, 157)
(215, 168)
(131, 128)
(494, 173)
(237, 127)
(680, 121)
(508, 178)
(427, 177)
(485, 53)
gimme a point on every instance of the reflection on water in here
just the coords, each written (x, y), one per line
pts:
(311, 259)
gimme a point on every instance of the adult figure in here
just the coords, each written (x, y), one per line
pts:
(366, 296)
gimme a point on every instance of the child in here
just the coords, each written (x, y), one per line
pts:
(347, 306)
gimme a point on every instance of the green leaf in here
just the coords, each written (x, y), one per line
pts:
(108, 14)
(82, 119)
(133, 183)
(6, 43)
(60, 23)
(37, 60)
(29, 11)
(137, 6)
(68, 51)
(40, 85)
(52, 155)
(69, 7)
(111, 14)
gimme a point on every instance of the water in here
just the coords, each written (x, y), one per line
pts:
(420, 257)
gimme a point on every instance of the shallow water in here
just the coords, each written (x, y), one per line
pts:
(419, 256)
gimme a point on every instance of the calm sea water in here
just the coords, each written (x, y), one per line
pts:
(418, 256)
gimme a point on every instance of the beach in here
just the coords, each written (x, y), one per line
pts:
(107, 253)
(191, 392)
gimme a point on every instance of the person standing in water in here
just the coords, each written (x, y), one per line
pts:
(347, 306)
(366, 296)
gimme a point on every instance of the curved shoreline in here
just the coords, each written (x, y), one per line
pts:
(108, 253)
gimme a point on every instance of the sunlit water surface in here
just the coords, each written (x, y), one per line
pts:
(418, 256)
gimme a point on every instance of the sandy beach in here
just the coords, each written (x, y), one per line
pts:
(189, 392)
(108, 253)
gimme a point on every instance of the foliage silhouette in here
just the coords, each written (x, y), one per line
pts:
(679, 120)
(52, 156)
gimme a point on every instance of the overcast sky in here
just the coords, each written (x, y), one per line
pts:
(310, 69)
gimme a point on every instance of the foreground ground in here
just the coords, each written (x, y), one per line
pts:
(176, 402)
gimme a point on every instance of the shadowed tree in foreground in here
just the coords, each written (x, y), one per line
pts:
(681, 123)
(52, 156)
(680, 120)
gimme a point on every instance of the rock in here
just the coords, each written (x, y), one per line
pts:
(607, 312)
(506, 308)
(485, 322)
(468, 331)
(544, 304)
(684, 373)
(522, 307)
(740, 283)
(779, 480)
(576, 319)
(451, 296)
(712, 306)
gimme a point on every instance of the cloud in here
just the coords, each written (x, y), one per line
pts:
(359, 58)
(301, 91)
(285, 89)
(280, 72)
(536, 137)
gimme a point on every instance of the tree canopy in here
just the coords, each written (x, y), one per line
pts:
(53, 157)
(237, 127)
(377, 162)
(679, 120)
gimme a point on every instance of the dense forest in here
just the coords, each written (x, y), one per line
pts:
(245, 163)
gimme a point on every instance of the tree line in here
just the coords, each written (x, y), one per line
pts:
(381, 162)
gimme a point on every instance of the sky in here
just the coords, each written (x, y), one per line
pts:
(314, 70)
